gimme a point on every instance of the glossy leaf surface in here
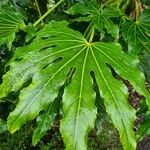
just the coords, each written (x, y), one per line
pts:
(48, 60)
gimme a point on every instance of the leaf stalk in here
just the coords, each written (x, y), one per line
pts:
(39, 11)
(137, 9)
(92, 34)
(87, 30)
(47, 13)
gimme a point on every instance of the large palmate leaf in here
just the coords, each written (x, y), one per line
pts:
(137, 33)
(56, 50)
(92, 11)
(10, 23)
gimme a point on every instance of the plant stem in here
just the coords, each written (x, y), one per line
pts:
(88, 35)
(8, 100)
(47, 13)
(108, 1)
(137, 9)
(71, 72)
(125, 5)
(39, 11)
(87, 29)
(92, 34)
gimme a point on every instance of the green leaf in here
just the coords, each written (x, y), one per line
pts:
(91, 11)
(3, 2)
(48, 60)
(10, 23)
(146, 2)
(3, 126)
(78, 8)
(30, 32)
(137, 33)
(44, 122)
(144, 128)
(145, 62)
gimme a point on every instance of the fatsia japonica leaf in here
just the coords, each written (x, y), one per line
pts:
(137, 33)
(10, 23)
(144, 128)
(48, 60)
(92, 11)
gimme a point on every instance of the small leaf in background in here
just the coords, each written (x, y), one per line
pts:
(50, 3)
(144, 128)
(4, 2)
(3, 126)
(44, 122)
(30, 32)
(101, 18)
(137, 33)
(146, 2)
(10, 23)
(145, 62)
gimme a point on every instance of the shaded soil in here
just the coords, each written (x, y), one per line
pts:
(144, 144)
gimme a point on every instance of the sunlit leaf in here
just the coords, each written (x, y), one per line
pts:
(56, 50)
